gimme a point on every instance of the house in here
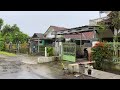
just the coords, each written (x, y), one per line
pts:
(35, 41)
(85, 33)
(107, 35)
(85, 36)
(48, 38)
(48, 33)
(79, 38)
(54, 38)
(38, 39)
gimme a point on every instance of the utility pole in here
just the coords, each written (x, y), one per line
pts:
(81, 40)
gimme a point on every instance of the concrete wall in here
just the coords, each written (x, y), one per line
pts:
(49, 33)
(95, 21)
(45, 59)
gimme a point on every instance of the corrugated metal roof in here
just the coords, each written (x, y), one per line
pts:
(56, 28)
(85, 36)
(38, 35)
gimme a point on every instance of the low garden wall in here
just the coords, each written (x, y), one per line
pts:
(46, 59)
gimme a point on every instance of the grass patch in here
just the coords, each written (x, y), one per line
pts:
(7, 53)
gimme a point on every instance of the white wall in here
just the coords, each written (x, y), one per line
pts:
(95, 21)
(49, 35)
(94, 42)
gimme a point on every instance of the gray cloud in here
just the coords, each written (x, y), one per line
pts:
(39, 21)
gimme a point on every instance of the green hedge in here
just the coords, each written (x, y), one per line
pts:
(2, 46)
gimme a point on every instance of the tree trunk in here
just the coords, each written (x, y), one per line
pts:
(115, 41)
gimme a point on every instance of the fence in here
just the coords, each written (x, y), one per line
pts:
(23, 48)
(116, 54)
(69, 52)
(42, 50)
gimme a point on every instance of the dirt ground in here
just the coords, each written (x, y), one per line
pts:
(26, 67)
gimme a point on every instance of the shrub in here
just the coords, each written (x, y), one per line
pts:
(102, 54)
(2, 46)
(6, 47)
(24, 48)
(7, 53)
(78, 51)
(50, 51)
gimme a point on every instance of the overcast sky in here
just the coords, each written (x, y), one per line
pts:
(39, 21)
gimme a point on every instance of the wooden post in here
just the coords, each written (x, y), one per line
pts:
(81, 40)
(18, 47)
(30, 47)
(89, 54)
(94, 33)
(38, 44)
(56, 46)
(45, 51)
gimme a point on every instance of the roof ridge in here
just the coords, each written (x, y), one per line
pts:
(57, 26)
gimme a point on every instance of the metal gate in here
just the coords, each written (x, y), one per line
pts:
(69, 52)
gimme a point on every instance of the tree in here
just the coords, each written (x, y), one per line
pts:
(1, 23)
(15, 28)
(6, 29)
(9, 34)
(102, 28)
(114, 18)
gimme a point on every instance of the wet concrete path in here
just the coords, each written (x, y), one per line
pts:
(25, 67)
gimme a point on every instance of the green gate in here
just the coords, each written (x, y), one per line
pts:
(69, 52)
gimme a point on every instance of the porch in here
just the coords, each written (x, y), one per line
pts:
(37, 45)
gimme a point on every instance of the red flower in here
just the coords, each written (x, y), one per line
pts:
(101, 44)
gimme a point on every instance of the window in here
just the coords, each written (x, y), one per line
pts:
(40, 42)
